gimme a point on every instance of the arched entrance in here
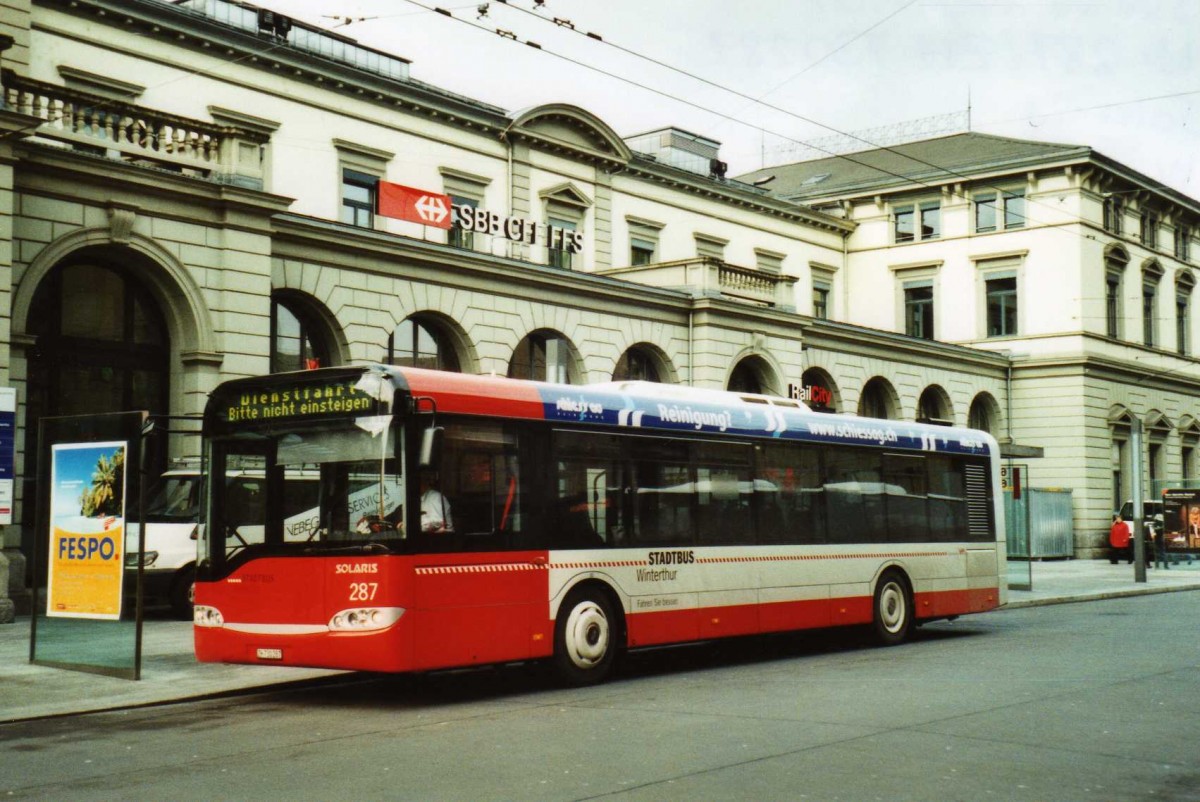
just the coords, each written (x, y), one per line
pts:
(101, 344)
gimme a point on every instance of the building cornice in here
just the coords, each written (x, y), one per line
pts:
(96, 180)
(317, 240)
(848, 338)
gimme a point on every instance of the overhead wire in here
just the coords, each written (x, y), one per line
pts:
(949, 172)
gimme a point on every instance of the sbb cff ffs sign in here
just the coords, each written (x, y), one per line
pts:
(435, 209)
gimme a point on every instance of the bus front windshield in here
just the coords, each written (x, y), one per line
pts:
(307, 490)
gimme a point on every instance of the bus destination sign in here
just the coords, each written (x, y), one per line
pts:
(299, 401)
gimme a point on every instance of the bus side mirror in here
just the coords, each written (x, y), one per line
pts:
(431, 447)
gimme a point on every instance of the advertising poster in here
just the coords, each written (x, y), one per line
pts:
(87, 522)
(8, 437)
(1181, 518)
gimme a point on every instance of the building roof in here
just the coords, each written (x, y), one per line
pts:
(929, 161)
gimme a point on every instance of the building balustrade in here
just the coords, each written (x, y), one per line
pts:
(100, 125)
(706, 275)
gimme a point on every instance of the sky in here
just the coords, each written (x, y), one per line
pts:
(1121, 77)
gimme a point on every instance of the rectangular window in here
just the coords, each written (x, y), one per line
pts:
(641, 251)
(1182, 329)
(560, 257)
(820, 300)
(904, 223)
(992, 207)
(985, 212)
(711, 247)
(931, 220)
(1149, 296)
(1183, 238)
(1112, 305)
(918, 310)
(1114, 210)
(358, 198)
(1014, 209)
(457, 237)
(919, 221)
(1001, 306)
(1150, 229)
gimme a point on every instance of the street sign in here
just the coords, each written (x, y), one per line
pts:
(8, 439)
(414, 205)
(1012, 477)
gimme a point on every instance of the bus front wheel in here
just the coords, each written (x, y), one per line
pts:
(585, 637)
(893, 617)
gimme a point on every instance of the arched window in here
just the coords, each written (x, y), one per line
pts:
(543, 355)
(1120, 422)
(420, 343)
(934, 406)
(638, 364)
(818, 391)
(877, 399)
(751, 375)
(298, 341)
(983, 413)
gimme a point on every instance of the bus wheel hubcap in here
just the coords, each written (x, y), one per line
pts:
(891, 607)
(587, 634)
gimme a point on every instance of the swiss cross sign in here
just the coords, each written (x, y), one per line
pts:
(414, 205)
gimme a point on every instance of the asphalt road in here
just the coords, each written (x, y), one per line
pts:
(1090, 701)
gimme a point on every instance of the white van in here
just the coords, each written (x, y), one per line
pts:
(172, 525)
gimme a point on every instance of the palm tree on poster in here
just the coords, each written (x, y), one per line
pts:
(108, 480)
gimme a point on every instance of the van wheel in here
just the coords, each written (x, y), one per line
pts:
(586, 637)
(893, 618)
(183, 593)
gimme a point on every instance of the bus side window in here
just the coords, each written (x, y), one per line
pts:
(854, 493)
(790, 494)
(905, 487)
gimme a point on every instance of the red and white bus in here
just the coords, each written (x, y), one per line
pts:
(580, 521)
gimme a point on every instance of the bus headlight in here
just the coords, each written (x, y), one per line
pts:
(205, 616)
(365, 619)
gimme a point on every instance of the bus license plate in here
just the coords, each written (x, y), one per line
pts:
(270, 654)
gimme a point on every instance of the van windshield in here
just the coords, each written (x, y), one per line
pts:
(175, 498)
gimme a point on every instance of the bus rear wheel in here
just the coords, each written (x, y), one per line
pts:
(893, 607)
(585, 637)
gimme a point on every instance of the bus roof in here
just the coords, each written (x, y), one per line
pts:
(346, 391)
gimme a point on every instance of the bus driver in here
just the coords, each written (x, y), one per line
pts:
(435, 509)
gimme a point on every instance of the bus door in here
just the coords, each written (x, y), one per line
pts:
(480, 586)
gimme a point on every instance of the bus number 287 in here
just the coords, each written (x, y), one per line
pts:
(363, 591)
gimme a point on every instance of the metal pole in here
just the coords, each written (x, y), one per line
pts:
(1137, 525)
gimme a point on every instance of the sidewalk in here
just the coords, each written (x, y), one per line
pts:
(170, 672)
